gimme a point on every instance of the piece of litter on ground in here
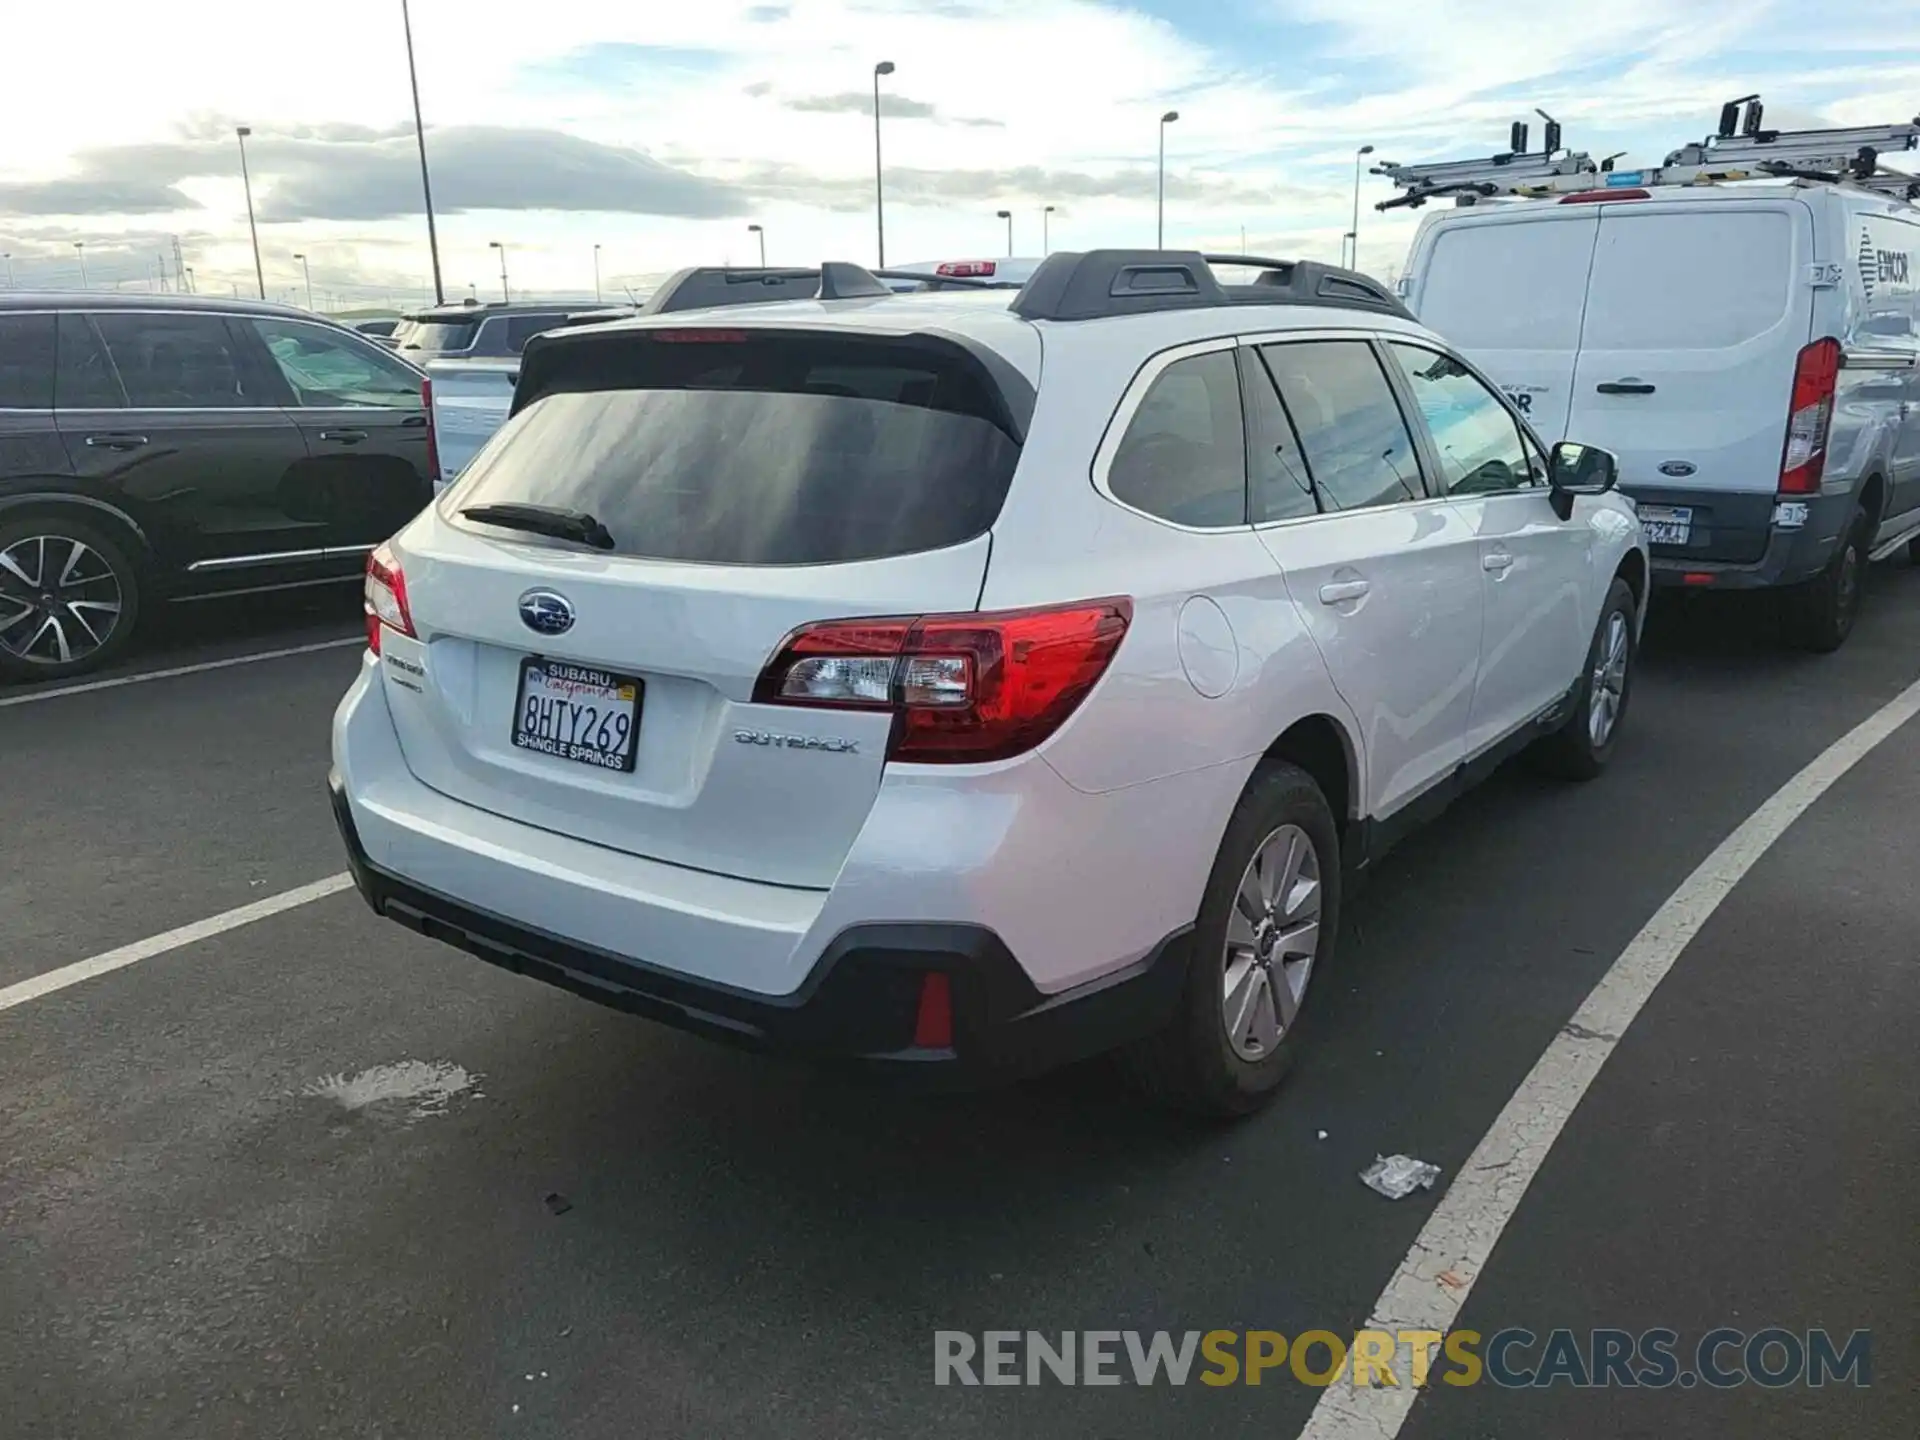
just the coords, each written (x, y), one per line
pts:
(427, 1086)
(565, 1331)
(1321, 1134)
(529, 1377)
(516, 1409)
(543, 1374)
(558, 1203)
(1398, 1176)
(1452, 1280)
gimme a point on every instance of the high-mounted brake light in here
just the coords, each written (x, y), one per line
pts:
(963, 688)
(962, 269)
(433, 437)
(1600, 197)
(1803, 459)
(386, 596)
(698, 337)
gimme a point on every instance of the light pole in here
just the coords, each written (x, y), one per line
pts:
(1160, 221)
(190, 289)
(885, 67)
(1006, 215)
(80, 249)
(1354, 234)
(420, 134)
(9, 259)
(505, 294)
(309, 277)
(760, 231)
(1046, 242)
(259, 271)
(596, 274)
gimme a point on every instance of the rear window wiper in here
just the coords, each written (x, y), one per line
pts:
(554, 520)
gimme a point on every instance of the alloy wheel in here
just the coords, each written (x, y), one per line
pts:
(1273, 933)
(1607, 691)
(60, 600)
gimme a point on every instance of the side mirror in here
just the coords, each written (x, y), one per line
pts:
(1575, 469)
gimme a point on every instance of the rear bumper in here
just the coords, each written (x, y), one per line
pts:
(859, 1003)
(1791, 554)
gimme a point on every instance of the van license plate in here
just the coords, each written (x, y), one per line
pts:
(577, 713)
(1667, 524)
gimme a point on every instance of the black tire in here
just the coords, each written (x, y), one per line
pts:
(1824, 609)
(104, 573)
(1572, 752)
(1193, 1065)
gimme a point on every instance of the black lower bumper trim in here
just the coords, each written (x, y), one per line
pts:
(858, 1004)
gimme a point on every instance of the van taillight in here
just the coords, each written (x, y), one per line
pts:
(433, 439)
(960, 269)
(1601, 197)
(1803, 461)
(963, 688)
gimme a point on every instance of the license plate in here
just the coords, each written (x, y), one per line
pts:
(574, 712)
(1667, 524)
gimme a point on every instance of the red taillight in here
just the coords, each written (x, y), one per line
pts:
(1803, 460)
(1697, 577)
(964, 688)
(961, 269)
(386, 596)
(1601, 197)
(933, 1023)
(433, 439)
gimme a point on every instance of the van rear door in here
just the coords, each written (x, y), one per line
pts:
(1696, 313)
(1509, 290)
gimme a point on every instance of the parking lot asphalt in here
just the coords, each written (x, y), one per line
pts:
(595, 1227)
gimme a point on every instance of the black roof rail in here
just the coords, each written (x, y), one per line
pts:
(1094, 284)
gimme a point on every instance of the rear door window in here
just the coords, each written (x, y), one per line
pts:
(1509, 285)
(26, 362)
(1358, 449)
(1703, 278)
(1184, 455)
(175, 361)
(763, 449)
(85, 377)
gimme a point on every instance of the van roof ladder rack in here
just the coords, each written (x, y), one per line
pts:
(1739, 149)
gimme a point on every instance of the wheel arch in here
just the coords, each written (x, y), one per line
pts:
(1873, 501)
(1320, 745)
(101, 513)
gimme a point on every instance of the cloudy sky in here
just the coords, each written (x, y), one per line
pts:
(659, 129)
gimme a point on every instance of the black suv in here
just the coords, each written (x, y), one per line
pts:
(173, 448)
(474, 331)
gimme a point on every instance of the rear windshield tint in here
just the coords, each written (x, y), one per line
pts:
(1702, 278)
(769, 450)
(439, 335)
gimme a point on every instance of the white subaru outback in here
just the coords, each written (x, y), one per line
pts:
(966, 683)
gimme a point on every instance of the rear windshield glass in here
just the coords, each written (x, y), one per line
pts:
(1512, 285)
(1701, 278)
(439, 335)
(769, 450)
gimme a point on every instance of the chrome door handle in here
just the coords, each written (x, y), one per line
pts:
(116, 442)
(344, 437)
(1497, 562)
(1343, 590)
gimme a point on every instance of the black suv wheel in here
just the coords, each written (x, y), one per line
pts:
(69, 597)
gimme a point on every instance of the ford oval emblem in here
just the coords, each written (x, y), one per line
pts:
(1677, 468)
(546, 613)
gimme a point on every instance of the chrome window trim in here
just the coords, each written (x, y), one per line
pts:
(278, 557)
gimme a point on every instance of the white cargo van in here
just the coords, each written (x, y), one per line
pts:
(1748, 351)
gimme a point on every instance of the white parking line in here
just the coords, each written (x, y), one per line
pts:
(31, 696)
(160, 944)
(1451, 1252)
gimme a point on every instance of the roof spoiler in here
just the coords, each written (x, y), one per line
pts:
(708, 287)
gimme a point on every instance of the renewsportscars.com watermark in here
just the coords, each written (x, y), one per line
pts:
(1772, 1357)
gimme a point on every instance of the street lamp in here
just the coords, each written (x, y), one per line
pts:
(1046, 244)
(190, 289)
(505, 294)
(1160, 222)
(8, 257)
(80, 248)
(259, 271)
(1354, 234)
(761, 232)
(1007, 215)
(885, 67)
(420, 133)
(596, 274)
(309, 274)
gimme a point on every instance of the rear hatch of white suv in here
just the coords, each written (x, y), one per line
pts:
(595, 603)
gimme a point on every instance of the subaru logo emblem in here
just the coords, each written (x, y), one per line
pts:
(546, 613)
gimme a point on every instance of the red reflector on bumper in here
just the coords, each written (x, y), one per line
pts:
(933, 1026)
(1696, 577)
